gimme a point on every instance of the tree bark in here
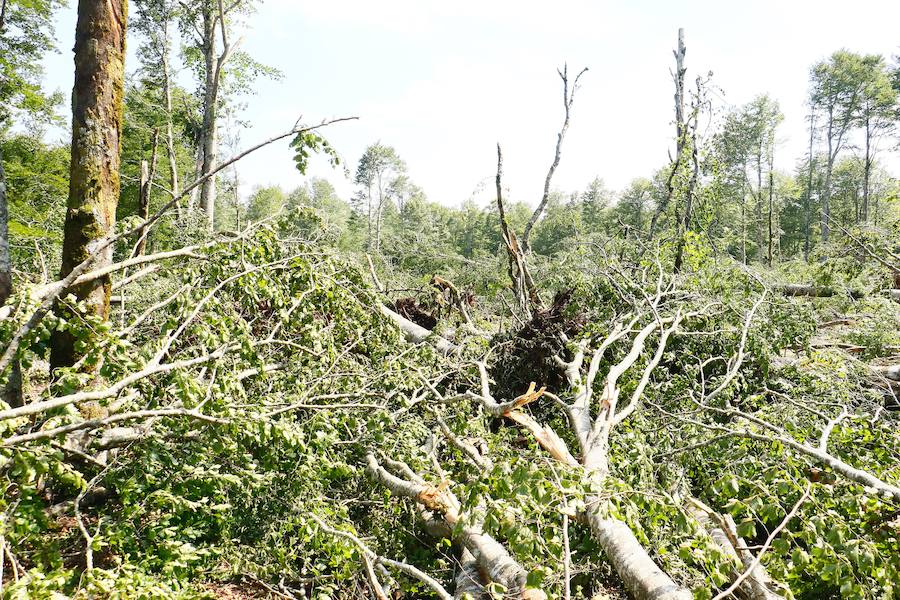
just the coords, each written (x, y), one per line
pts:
(468, 579)
(867, 170)
(11, 391)
(148, 170)
(94, 172)
(807, 203)
(170, 134)
(208, 133)
(640, 575)
(771, 204)
(5, 264)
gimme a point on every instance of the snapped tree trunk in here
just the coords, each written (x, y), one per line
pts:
(94, 171)
(568, 100)
(678, 77)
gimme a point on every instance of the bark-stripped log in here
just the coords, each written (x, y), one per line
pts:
(94, 172)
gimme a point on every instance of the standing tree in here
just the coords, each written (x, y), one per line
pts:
(837, 86)
(807, 197)
(594, 202)
(876, 116)
(745, 149)
(378, 170)
(154, 21)
(680, 130)
(633, 203)
(94, 174)
(762, 117)
(222, 74)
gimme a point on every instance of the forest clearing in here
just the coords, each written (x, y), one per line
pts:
(215, 388)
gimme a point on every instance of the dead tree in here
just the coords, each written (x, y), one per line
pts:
(568, 100)
(680, 132)
(94, 174)
(684, 226)
(523, 286)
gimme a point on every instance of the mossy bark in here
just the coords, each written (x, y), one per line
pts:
(96, 136)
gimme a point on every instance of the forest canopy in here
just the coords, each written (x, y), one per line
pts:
(686, 388)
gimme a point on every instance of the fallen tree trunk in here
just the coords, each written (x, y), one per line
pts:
(758, 584)
(812, 291)
(491, 557)
(417, 334)
(891, 372)
(640, 575)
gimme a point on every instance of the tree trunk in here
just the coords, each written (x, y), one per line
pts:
(378, 212)
(5, 264)
(678, 76)
(147, 173)
(94, 171)
(758, 206)
(867, 170)
(568, 100)
(11, 391)
(744, 218)
(826, 194)
(643, 579)
(208, 134)
(771, 205)
(170, 135)
(807, 204)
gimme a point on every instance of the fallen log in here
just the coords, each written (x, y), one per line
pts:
(812, 291)
(417, 334)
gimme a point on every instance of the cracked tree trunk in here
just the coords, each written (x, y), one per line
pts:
(94, 171)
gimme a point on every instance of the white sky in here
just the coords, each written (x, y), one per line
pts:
(442, 82)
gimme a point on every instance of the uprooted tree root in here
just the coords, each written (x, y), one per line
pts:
(527, 354)
(410, 308)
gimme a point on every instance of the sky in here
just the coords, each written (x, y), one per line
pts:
(444, 82)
